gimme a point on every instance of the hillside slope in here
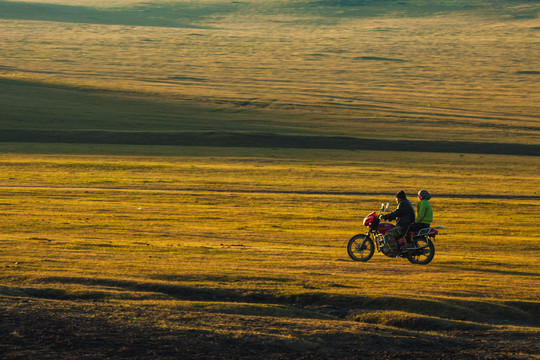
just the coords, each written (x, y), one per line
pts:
(396, 70)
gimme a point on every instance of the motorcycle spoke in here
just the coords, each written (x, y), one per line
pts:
(360, 248)
(422, 253)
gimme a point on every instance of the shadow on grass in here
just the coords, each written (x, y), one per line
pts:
(261, 140)
(486, 265)
(505, 272)
(36, 332)
(70, 330)
(219, 278)
(52, 114)
(170, 14)
(517, 313)
(377, 58)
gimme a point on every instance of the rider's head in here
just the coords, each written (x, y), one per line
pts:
(400, 196)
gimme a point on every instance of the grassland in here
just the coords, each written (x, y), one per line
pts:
(232, 253)
(234, 248)
(454, 71)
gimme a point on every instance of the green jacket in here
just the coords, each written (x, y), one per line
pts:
(424, 213)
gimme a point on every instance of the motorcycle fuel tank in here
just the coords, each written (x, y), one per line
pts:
(384, 227)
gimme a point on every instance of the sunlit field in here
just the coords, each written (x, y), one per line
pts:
(251, 247)
(179, 179)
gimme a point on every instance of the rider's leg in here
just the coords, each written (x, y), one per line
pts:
(392, 236)
(414, 228)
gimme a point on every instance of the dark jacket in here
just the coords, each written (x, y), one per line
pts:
(404, 214)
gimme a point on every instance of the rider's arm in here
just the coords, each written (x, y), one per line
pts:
(394, 214)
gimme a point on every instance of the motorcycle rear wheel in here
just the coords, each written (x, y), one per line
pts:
(359, 252)
(422, 256)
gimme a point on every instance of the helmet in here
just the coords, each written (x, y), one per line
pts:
(423, 194)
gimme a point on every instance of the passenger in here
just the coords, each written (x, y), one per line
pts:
(424, 214)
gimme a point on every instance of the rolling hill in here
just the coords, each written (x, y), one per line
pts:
(444, 72)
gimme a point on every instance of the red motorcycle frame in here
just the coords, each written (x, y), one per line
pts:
(418, 250)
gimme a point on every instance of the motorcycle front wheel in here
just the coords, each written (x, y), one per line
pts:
(360, 250)
(424, 254)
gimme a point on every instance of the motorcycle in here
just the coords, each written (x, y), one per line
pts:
(418, 250)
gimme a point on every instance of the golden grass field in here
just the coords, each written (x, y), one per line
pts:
(114, 251)
(249, 248)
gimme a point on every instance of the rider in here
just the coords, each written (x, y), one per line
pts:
(404, 214)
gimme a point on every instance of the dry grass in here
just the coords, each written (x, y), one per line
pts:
(280, 216)
(166, 252)
(230, 244)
